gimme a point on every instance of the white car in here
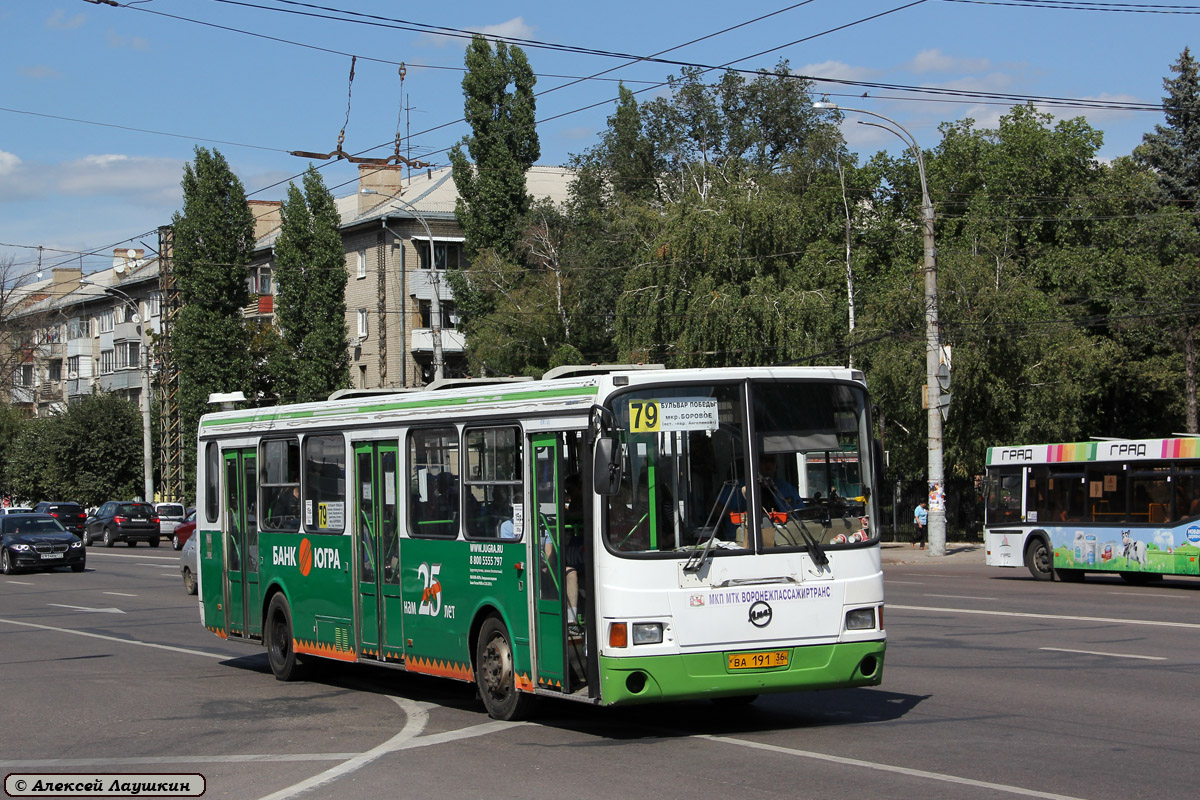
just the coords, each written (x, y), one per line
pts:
(16, 510)
(170, 517)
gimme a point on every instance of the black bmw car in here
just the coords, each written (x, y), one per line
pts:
(38, 541)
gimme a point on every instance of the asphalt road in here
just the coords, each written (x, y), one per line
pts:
(995, 686)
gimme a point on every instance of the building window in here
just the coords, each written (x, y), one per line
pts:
(446, 255)
(362, 323)
(155, 304)
(128, 355)
(105, 318)
(73, 367)
(55, 370)
(259, 280)
(107, 360)
(23, 376)
(362, 263)
(449, 314)
(79, 328)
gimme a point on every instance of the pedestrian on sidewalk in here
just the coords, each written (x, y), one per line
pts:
(921, 519)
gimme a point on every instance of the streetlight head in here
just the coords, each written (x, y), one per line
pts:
(821, 104)
(367, 191)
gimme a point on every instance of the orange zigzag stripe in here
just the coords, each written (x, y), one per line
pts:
(323, 650)
(444, 669)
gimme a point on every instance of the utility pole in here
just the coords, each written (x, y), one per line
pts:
(934, 404)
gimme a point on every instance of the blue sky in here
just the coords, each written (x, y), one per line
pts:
(161, 76)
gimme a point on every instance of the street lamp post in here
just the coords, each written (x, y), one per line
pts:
(144, 401)
(936, 477)
(435, 304)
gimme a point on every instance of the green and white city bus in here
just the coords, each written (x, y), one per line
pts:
(591, 536)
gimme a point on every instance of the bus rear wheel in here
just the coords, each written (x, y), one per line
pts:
(1040, 560)
(280, 650)
(495, 673)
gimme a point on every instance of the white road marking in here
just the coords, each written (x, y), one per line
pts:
(1062, 617)
(21, 583)
(961, 596)
(120, 594)
(185, 650)
(93, 553)
(1098, 653)
(88, 608)
(915, 773)
(1152, 594)
(161, 566)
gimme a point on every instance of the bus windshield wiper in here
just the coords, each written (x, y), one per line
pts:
(715, 520)
(815, 551)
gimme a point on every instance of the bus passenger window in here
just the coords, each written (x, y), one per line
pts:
(433, 506)
(493, 491)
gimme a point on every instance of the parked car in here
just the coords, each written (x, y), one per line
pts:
(127, 521)
(16, 510)
(189, 565)
(184, 531)
(70, 515)
(38, 541)
(170, 517)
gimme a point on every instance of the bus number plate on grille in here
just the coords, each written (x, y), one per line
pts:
(768, 658)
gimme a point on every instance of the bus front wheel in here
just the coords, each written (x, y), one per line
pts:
(280, 647)
(1040, 559)
(495, 673)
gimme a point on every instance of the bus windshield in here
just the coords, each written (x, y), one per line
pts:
(686, 480)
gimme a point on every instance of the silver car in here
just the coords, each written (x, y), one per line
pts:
(189, 565)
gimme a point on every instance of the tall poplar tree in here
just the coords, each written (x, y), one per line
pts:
(310, 275)
(214, 236)
(503, 145)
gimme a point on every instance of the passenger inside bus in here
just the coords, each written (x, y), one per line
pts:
(573, 548)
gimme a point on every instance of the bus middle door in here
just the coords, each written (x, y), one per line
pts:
(380, 618)
(241, 537)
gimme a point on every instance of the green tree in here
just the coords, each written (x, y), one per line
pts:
(214, 236)
(89, 453)
(1173, 152)
(503, 145)
(11, 424)
(310, 306)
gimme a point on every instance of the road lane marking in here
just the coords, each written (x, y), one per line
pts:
(92, 553)
(914, 773)
(1098, 653)
(21, 583)
(160, 566)
(120, 594)
(90, 635)
(1062, 617)
(1152, 594)
(88, 608)
(960, 596)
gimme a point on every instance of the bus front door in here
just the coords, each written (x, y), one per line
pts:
(380, 617)
(242, 613)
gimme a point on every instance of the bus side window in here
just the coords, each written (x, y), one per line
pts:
(433, 508)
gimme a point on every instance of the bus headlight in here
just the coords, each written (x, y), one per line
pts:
(860, 619)
(647, 633)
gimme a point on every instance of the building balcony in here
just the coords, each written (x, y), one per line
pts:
(453, 340)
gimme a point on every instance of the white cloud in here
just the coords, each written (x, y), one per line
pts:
(59, 21)
(515, 28)
(8, 162)
(936, 61)
(40, 72)
(117, 41)
(838, 70)
(136, 180)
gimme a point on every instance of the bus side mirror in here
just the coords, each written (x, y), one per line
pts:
(606, 467)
